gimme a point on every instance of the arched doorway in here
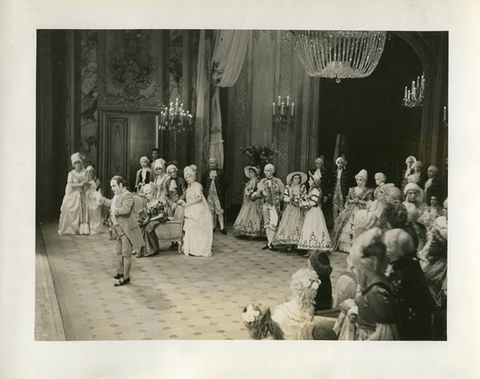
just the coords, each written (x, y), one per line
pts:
(379, 132)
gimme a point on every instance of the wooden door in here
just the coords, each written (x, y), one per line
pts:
(126, 137)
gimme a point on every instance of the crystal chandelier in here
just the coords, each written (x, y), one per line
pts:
(340, 54)
(175, 118)
(414, 97)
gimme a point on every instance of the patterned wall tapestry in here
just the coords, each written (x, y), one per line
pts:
(131, 68)
(89, 96)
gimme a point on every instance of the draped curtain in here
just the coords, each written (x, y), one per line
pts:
(202, 115)
(229, 49)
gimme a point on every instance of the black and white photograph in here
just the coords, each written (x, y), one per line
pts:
(201, 192)
(238, 184)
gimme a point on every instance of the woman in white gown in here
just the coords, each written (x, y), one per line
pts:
(198, 223)
(295, 317)
(315, 234)
(73, 212)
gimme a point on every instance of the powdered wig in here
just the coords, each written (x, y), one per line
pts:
(398, 243)
(410, 158)
(395, 214)
(369, 252)
(381, 176)
(269, 166)
(262, 324)
(438, 247)
(189, 171)
(304, 287)
(393, 193)
(419, 165)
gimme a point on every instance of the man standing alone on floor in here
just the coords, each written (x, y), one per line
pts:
(215, 184)
(123, 216)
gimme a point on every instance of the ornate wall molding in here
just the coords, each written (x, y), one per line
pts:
(131, 68)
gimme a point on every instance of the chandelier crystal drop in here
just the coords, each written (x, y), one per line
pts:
(340, 54)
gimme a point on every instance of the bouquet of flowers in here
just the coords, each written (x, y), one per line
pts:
(257, 319)
(260, 155)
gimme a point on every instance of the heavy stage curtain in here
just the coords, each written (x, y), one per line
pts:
(229, 49)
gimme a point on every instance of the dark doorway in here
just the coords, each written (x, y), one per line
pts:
(379, 132)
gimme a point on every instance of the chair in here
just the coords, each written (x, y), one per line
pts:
(172, 230)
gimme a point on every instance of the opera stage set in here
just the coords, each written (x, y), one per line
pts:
(102, 93)
(113, 95)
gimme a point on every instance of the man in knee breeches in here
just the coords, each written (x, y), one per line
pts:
(271, 190)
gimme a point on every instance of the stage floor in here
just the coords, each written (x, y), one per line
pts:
(171, 296)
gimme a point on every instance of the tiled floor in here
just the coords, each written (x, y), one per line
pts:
(171, 296)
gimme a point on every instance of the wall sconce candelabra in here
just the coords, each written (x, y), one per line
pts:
(175, 118)
(283, 111)
(414, 97)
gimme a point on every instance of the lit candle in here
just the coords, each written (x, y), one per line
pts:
(273, 109)
(283, 104)
(408, 95)
(444, 113)
(413, 85)
(293, 105)
(279, 101)
(288, 100)
(406, 89)
(418, 81)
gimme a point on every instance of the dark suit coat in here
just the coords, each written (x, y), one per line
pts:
(221, 184)
(343, 184)
(172, 198)
(138, 180)
(404, 180)
(126, 218)
(415, 304)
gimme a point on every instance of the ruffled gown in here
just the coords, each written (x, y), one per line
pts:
(315, 234)
(296, 323)
(73, 212)
(198, 224)
(249, 219)
(289, 230)
(94, 208)
(343, 228)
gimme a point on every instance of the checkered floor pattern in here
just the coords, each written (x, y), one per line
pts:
(171, 296)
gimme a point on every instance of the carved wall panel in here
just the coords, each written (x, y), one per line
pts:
(129, 68)
(117, 146)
